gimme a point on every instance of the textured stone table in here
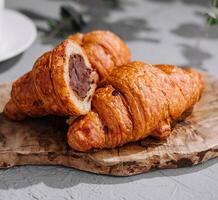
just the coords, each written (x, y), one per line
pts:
(157, 31)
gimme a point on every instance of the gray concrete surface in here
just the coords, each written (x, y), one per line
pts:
(157, 31)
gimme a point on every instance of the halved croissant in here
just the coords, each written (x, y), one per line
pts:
(62, 81)
(135, 101)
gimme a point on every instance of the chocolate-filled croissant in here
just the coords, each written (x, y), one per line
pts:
(62, 81)
(136, 100)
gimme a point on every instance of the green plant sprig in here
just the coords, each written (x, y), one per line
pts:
(212, 19)
(70, 21)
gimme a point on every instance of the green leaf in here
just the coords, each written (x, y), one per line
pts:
(52, 24)
(211, 16)
(215, 3)
(212, 21)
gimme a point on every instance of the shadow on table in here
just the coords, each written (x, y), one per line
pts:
(127, 27)
(8, 64)
(61, 177)
(188, 2)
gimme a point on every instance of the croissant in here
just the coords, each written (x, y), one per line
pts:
(135, 101)
(104, 49)
(62, 81)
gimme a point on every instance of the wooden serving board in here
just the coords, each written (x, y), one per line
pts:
(43, 142)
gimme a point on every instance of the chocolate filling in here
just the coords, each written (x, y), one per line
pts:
(79, 75)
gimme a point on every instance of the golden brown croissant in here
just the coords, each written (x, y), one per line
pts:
(62, 81)
(104, 49)
(136, 100)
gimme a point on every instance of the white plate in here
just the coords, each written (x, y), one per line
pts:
(19, 32)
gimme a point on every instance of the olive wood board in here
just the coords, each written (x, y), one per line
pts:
(43, 142)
